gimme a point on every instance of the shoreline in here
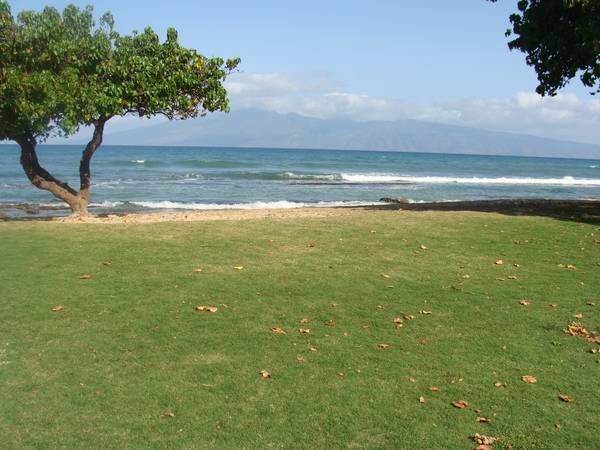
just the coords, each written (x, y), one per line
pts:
(580, 210)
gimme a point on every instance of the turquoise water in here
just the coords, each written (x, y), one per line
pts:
(154, 178)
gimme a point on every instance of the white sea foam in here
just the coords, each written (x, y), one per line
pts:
(594, 167)
(299, 176)
(138, 161)
(564, 181)
(281, 204)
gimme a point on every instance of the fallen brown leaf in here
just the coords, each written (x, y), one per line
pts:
(460, 404)
(312, 349)
(304, 320)
(398, 321)
(304, 330)
(567, 266)
(329, 323)
(578, 316)
(553, 305)
(576, 329)
(57, 308)
(516, 265)
(278, 330)
(483, 419)
(434, 389)
(499, 262)
(107, 263)
(167, 414)
(500, 384)
(412, 380)
(500, 279)
(238, 267)
(425, 312)
(264, 374)
(210, 309)
(422, 247)
(421, 399)
(529, 379)
(594, 350)
(385, 275)
(590, 304)
(565, 398)
(525, 302)
(383, 345)
(85, 276)
(466, 277)
(409, 317)
(198, 269)
(512, 277)
(335, 305)
(482, 439)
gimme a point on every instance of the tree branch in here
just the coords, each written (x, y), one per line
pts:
(86, 156)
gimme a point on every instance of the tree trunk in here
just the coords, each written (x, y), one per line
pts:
(42, 179)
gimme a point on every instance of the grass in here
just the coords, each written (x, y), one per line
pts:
(128, 345)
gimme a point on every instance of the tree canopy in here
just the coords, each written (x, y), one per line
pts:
(561, 39)
(60, 71)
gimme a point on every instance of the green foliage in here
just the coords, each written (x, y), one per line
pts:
(561, 39)
(59, 71)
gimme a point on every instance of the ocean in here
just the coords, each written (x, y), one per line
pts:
(132, 178)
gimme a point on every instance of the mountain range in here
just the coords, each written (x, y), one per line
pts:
(258, 128)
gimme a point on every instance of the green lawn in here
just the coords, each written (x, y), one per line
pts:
(128, 345)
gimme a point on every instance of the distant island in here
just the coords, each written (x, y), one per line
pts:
(257, 128)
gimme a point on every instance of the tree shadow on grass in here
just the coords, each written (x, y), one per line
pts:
(585, 211)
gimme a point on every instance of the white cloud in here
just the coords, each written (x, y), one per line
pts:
(564, 116)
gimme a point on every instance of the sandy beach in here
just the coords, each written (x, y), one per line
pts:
(582, 210)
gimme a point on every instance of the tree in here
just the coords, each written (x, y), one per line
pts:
(62, 71)
(561, 38)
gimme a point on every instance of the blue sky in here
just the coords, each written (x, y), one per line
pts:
(437, 60)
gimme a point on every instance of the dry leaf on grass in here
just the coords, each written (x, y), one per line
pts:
(576, 329)
(278, 330)
(238, 267)
(335, 305)
(500, 384)
(460, 404)
(107, 263)
(383, 346)
(500, 279)
(421, 399)
(483, 420)
(398, 322)
(434, 389)
(412, 380)
(85, 276)
(553, 305)
(525, 302)
(210, 309)
(197, 269)
(312, 349)
(590, 303)
(57, 308)
(466, 277)
(300, 358)
(304, 330)
(167, 414)
(425, 312)
(422, 247)
(512, 277)
(385, 275)
(594, 350)
(567, 266)
(499, 262)
(264, 374)
(408, 317)
(578, 316)
(565, 398)
(529, 379)
(329, 323)
(304, 320)
(482, 439)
